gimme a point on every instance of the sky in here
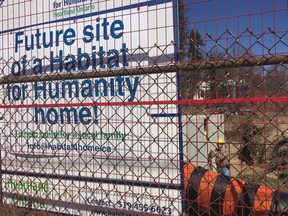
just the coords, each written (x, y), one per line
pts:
(215, 16)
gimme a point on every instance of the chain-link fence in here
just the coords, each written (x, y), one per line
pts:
(136, 141)
(128, 108)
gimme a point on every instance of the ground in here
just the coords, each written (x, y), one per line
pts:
(261, 137)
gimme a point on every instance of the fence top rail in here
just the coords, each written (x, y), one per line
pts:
(154, 69)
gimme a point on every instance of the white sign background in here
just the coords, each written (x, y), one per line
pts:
(131, 143)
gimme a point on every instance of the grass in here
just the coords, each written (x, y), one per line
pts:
(11, 210)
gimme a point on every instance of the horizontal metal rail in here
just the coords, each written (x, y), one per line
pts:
(154, 69)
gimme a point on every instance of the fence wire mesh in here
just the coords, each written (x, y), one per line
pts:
(123, 141)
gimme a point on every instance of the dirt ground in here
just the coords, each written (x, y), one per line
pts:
(268, 140)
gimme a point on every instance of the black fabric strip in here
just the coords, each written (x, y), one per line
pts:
(249, 193)
(240, 202)
(279, 205)
(275, 207)
(192, 190)
(218, 194)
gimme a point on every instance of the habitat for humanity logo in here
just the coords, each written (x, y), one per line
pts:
(65, 8)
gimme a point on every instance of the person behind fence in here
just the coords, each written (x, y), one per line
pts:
(221, 157)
